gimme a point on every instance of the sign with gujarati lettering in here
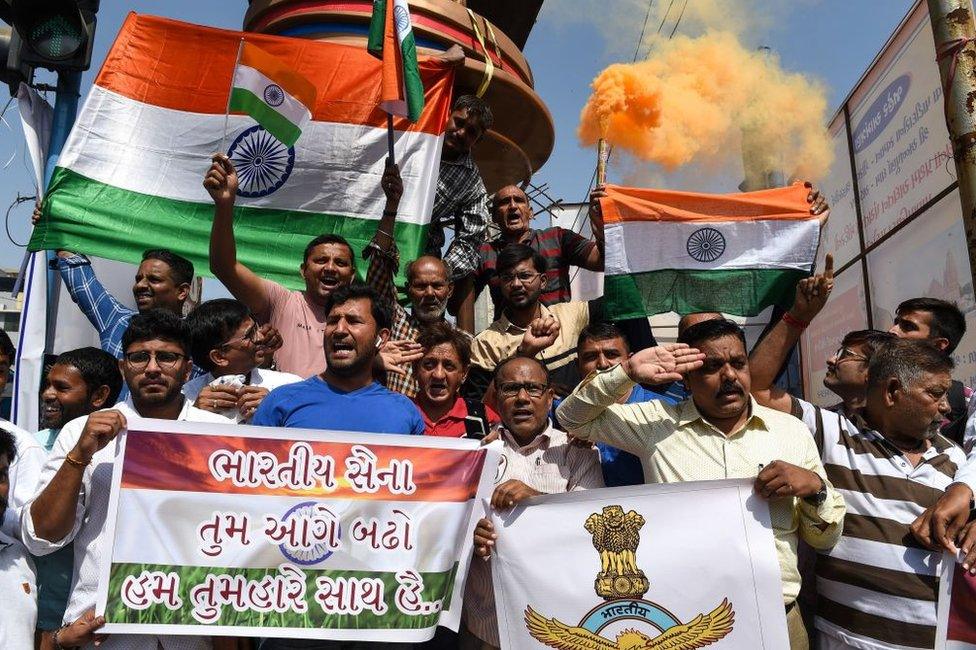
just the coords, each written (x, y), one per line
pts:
(678, 565)
(252, 531)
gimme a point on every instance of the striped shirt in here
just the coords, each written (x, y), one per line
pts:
(549, 464)
(561, 249)
(878, 587)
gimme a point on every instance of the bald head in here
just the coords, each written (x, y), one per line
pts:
(428, 286)
(689, 320)
(511, 211)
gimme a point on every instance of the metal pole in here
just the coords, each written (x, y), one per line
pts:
(955, 45)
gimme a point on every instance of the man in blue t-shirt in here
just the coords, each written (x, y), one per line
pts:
(601, 346)
(345, 397)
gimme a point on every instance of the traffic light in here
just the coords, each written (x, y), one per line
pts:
(53, 34)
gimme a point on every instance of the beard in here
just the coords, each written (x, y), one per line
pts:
(430, 313)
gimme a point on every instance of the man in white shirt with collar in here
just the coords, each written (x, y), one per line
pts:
(224, 340)
(74, 487)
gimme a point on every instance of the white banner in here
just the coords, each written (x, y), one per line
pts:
(680, 565)
(957, 608)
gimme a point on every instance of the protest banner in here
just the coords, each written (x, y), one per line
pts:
(679, 565)
(957, 608)
(250, 531)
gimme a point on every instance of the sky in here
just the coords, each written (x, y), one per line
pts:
(833, 41)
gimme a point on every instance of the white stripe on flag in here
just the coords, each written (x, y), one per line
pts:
(163, 152)
(254, 80)
(180, 545)
(635, 247)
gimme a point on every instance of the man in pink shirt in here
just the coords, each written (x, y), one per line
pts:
(299, 316)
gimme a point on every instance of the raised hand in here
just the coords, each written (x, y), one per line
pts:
(100, 429)
(221, 180)
(392, 186)
(663, 363)
(812, 293)
(817, 201)
(397, 355)
(541, 333)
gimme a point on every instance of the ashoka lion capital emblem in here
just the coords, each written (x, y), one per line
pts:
(616, 536)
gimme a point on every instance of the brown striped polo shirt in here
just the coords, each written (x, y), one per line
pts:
(878, 587)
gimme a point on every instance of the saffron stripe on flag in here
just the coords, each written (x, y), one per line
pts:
(176, 461)
(157, 61)
(290, 108)
(272, 67)
(269, 241)
(244, 101)
(742, 292)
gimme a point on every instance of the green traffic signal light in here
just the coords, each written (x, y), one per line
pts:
(55, 37)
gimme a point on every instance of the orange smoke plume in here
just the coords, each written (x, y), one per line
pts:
(693, 98)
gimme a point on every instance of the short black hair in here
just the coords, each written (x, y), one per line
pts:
(870, 339)
(156, 324)
(180, 267)
(329, 239)
(212, 323)
(514, 254)
(600, 332)
(906, 360)
(711, 329)
(379, 306)
(947, 319)
(504, 362)
(96, 367)
(6, 346)
(8, 446)
(477, 108)
(444, 332)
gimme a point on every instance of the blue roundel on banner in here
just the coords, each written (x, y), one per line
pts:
(706, 245)
(263, 162)
(311, 551)
(274, 95)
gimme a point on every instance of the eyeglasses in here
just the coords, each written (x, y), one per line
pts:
(513, 388)
(249, 335)
(140, 359)
(845, 354)
(522, 276)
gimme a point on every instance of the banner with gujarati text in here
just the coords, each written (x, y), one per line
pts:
(678, 565)
(252, 531)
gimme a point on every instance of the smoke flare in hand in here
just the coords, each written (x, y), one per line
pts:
(693, 98)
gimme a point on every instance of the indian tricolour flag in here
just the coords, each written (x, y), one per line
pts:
(268, 90)
(687, 252)
(391, 39)
(130, 176)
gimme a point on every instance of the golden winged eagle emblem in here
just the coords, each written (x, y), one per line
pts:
(703, 630)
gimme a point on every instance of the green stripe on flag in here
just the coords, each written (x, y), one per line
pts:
(742, 292)
(243, 100)
(436, 586)
(105, 221)
(377, 28)
(413, 85)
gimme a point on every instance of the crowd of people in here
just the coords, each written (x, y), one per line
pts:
(863, 495)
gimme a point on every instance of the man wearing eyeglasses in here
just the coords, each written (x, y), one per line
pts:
(536, 459)
(74, 487)
(224, 341)
(527, 327)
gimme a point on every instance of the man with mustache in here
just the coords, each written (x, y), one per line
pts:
(719, 433)
(79, 383)
(71, 505)
(429, 286)
(527, 327)
(460, 201)
(536, 459)
(345, 396)
(329, 262)
(440, 372)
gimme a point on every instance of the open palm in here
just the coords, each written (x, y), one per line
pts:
(663, 363)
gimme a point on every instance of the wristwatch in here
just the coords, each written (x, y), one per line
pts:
(821, 496)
